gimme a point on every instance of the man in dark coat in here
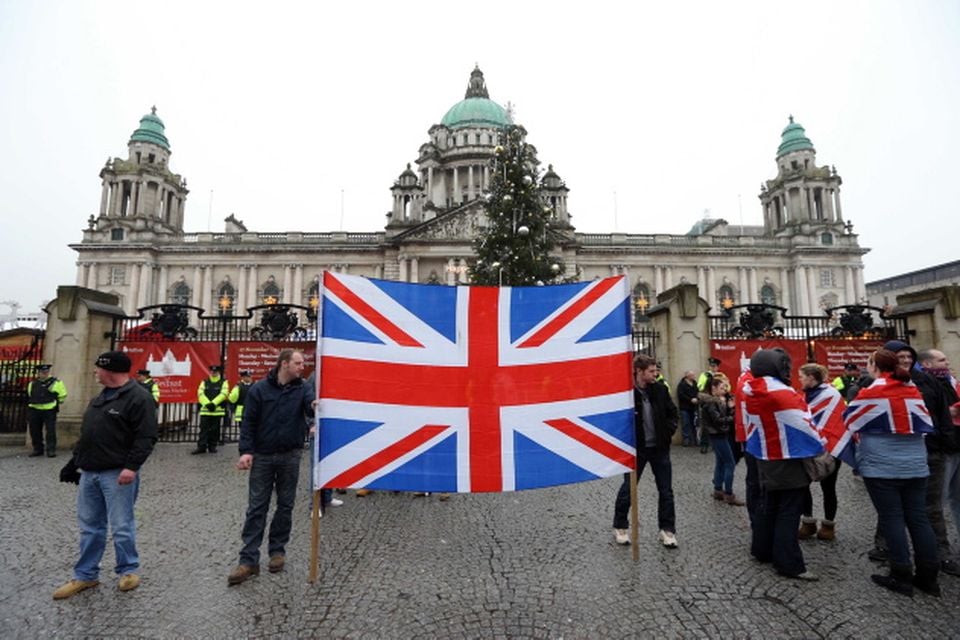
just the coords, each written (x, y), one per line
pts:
(655, 422)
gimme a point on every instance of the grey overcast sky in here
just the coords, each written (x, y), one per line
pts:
(652, 112)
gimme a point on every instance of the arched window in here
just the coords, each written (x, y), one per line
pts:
(725, 297)
(768, 295)
(180, 293)
(271, 292)
(826, 238)
(313, 294)
(226, 298)
(641, 302)
(829, 301)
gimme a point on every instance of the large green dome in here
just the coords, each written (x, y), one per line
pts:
(476, 109)
(151, 130)
(793, 138)
(476, 112)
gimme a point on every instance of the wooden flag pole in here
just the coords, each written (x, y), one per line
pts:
(315, 537)
(634, 518)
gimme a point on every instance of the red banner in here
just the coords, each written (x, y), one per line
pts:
(833, 354)
(260, 357)
(734, 355)
(178, 367)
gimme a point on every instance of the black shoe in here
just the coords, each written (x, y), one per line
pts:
(51, 454)
(877, 554)
(197, 451)
(213, 449)
(903, 588)
(35, 454)
(950, 567)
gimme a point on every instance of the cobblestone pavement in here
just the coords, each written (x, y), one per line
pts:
(535, 564)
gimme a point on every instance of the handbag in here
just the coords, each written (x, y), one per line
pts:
(820, 466)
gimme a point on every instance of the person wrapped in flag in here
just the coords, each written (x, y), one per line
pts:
(826, 408)
(890, 419)
(779, 433)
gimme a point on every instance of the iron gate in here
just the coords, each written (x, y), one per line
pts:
(176, 324)
(17, 369)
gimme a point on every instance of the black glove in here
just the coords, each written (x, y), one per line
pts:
(209, 406)
(70, 472)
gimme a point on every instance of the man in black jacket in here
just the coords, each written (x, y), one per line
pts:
(117, 434)
(941, 443)
(687, 393)
(655, 422)
(272, 432)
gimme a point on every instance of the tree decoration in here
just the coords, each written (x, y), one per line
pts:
(514, 249)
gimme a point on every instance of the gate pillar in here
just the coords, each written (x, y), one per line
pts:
(680, 319)
(79, 327)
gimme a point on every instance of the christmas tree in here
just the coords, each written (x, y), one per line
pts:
(515, 248)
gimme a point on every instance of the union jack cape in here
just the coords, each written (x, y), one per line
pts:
(777, 421)
(888, 406)
(472, 389)
(826, 407)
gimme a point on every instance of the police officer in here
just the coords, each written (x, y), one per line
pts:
(46, 394)
(148, 383)
(847, 383)
(703, 382)
(238, 395)
(212, 396)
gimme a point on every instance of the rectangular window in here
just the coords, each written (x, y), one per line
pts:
(116, 234)
(826, 278)
(118, 275)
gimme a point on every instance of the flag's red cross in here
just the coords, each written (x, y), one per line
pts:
(483, 385)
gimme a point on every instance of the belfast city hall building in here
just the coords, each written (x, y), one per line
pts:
(804, 257)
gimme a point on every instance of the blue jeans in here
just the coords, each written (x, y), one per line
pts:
(280, 470)
(900, 505)
(723, 464)
(688, 421)
(659, 460)
(775, 531)
(101, 500)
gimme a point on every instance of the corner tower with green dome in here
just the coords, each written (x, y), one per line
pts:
(453, 167)
(803, 194)
(141, 197)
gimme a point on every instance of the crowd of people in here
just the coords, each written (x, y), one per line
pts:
(896, 425)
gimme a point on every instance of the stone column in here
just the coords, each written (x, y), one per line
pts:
(657, 280)
(470, 182)
(785, 291)
(625, 270)
(849, 287)
(858, 284)
(827, 199)
(378, 271)
(243, 283)
(802, 291)
(92, 275)
(711, 296)
(207, 288)
(613, 270)
(402, 263)
(456, 185)
(117, 197)
(744, 292)
(81, 274)
(253, 284)
(812, 298)
(486, 177)
(133, 287)
(104, 197)
(196, 288)
(287, 283)
(430, 183)
(146, 270)
(298, 285)
(414, 269)
(448, 272)
(163, 284)
(836, 196)
(752, 279)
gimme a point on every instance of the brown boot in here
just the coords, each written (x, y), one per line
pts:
(242, 572)
(276, 564)
(808, 528)
(733, 500)
(717, 495)
(73, 587)
(826, 531)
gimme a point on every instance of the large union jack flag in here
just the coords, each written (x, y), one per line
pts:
(826, 406)
(777, 421)
(888, 406)
(473, 389)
